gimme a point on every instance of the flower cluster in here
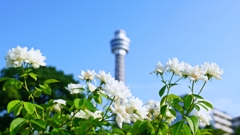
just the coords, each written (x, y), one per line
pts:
(86, 115)
(126, 107)
(204, 72)
(17, 56)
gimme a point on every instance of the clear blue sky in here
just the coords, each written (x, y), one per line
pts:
(75, 35)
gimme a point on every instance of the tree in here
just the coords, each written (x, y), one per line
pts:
(44, 73)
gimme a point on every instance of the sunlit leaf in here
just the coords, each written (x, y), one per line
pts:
(188, 101)
(38, 122)
(29, 107)
(177, 128)
(13, 104)
(15, 124)
(78, 103)
(51, 81)
(34, 76)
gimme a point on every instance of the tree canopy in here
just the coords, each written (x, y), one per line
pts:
(44, 73)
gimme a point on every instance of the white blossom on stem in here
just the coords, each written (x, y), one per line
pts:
(120, 110)
(175, 66)
(136, 109)
(57, 107)
(74, 88)
(16, 56)
(87, 75)
(86, 114)
(103, 77)
(117, 89)
(153, 108)
(35, 58)
(159, 68)
(213, 70)
(194, 73)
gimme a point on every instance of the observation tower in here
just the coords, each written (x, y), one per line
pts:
(120, 46)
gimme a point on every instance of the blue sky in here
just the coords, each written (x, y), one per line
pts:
(75, 36)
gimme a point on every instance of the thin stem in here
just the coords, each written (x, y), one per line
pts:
(188, 111)
(192, 87)
(178, 80)
(171, 78)
(108, 108)
(202, 87)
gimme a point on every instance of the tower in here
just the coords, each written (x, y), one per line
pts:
(120, 46)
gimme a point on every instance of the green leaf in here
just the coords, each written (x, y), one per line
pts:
(197, 107)
(187, 101)
(83, 127)
(78, 103)
(203, 106)
(208, 104)
(164, 110)
(18, 84)
(178, 107)
(118, 131)
(143, 126)
(34, 76)
(4, 78)
(10, 82)
(197, 96)
(18, 109)
(172, 112)
(162, 90)
(174, 97)
(177, 128)
(163, 100)
(38, 122)
(13, 104)
(16, 124)
(55, 132)
(37, 93)
(193, 123)
(47, 90)
(135, 127)
(29, 107)
(190, 123)
(27, 131)
(51, 81)
(89, 105)
(186, 129)
(97, 98)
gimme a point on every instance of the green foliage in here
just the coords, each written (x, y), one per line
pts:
(39, 107)
(38, 80)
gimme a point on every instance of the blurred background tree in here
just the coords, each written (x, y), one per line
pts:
(44, 73)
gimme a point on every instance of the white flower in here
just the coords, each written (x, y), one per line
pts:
(203, 115)
(175, 66)
(159, 68)
(121, 115)
(194, 73)
(213, 70)
(86, 114)
(35, 58)
(103, 77)
(74, 88)
(91, 87)
(153, 108)
(16, 56)
(136, 110)
(117, 89)
(88, 75)
(57, 107)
